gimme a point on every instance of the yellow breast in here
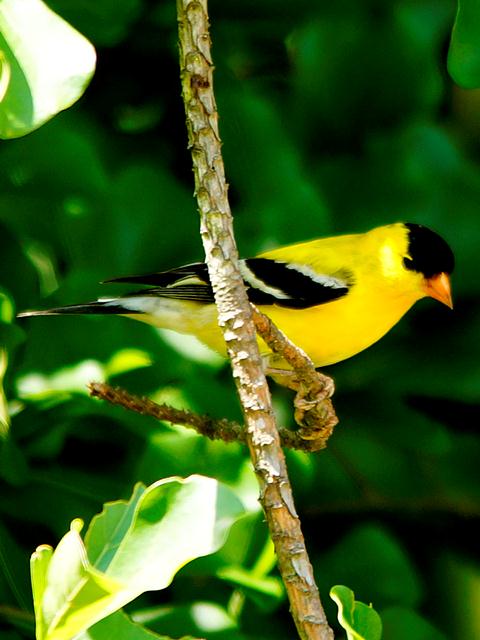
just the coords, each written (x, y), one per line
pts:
(340, 329)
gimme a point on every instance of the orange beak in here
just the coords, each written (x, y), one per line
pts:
(438, 287)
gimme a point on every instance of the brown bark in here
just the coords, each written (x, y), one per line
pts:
(235, 319)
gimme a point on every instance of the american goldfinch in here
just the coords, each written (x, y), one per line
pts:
(333, 297)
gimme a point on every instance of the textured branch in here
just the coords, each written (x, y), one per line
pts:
(235, 319)
(212, 428)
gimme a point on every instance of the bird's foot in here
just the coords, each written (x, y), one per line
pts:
(313, 408)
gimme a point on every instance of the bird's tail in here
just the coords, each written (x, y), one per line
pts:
(110, 306)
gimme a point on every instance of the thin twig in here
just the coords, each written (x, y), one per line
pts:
(235, 319)
(212, 428)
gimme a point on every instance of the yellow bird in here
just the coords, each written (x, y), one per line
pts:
(333, 297)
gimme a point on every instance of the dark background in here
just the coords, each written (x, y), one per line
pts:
(335, 117)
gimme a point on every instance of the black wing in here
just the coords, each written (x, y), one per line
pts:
(268, 282)
(291, 285)
(190, 282)
(174, 277)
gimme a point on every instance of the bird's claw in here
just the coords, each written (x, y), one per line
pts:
(313, 408)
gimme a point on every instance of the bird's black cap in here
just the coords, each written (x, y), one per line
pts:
(429, 253)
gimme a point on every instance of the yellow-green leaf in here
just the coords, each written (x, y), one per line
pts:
(360, 621)
(45, 65)
(133, 547)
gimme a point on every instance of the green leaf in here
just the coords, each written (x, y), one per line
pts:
(69, 595)
(464, 52)
(75, 378)
(134, 546)
(360, 621)
(7, 312)
(109, 528)
(39, 563)
(265, 590)
(159, 540)
(265, 585)
(45, 66)
(119, 625)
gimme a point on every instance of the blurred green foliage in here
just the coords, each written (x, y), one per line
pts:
(335, 117)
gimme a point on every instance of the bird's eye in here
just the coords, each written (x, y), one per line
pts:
(408, 263)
